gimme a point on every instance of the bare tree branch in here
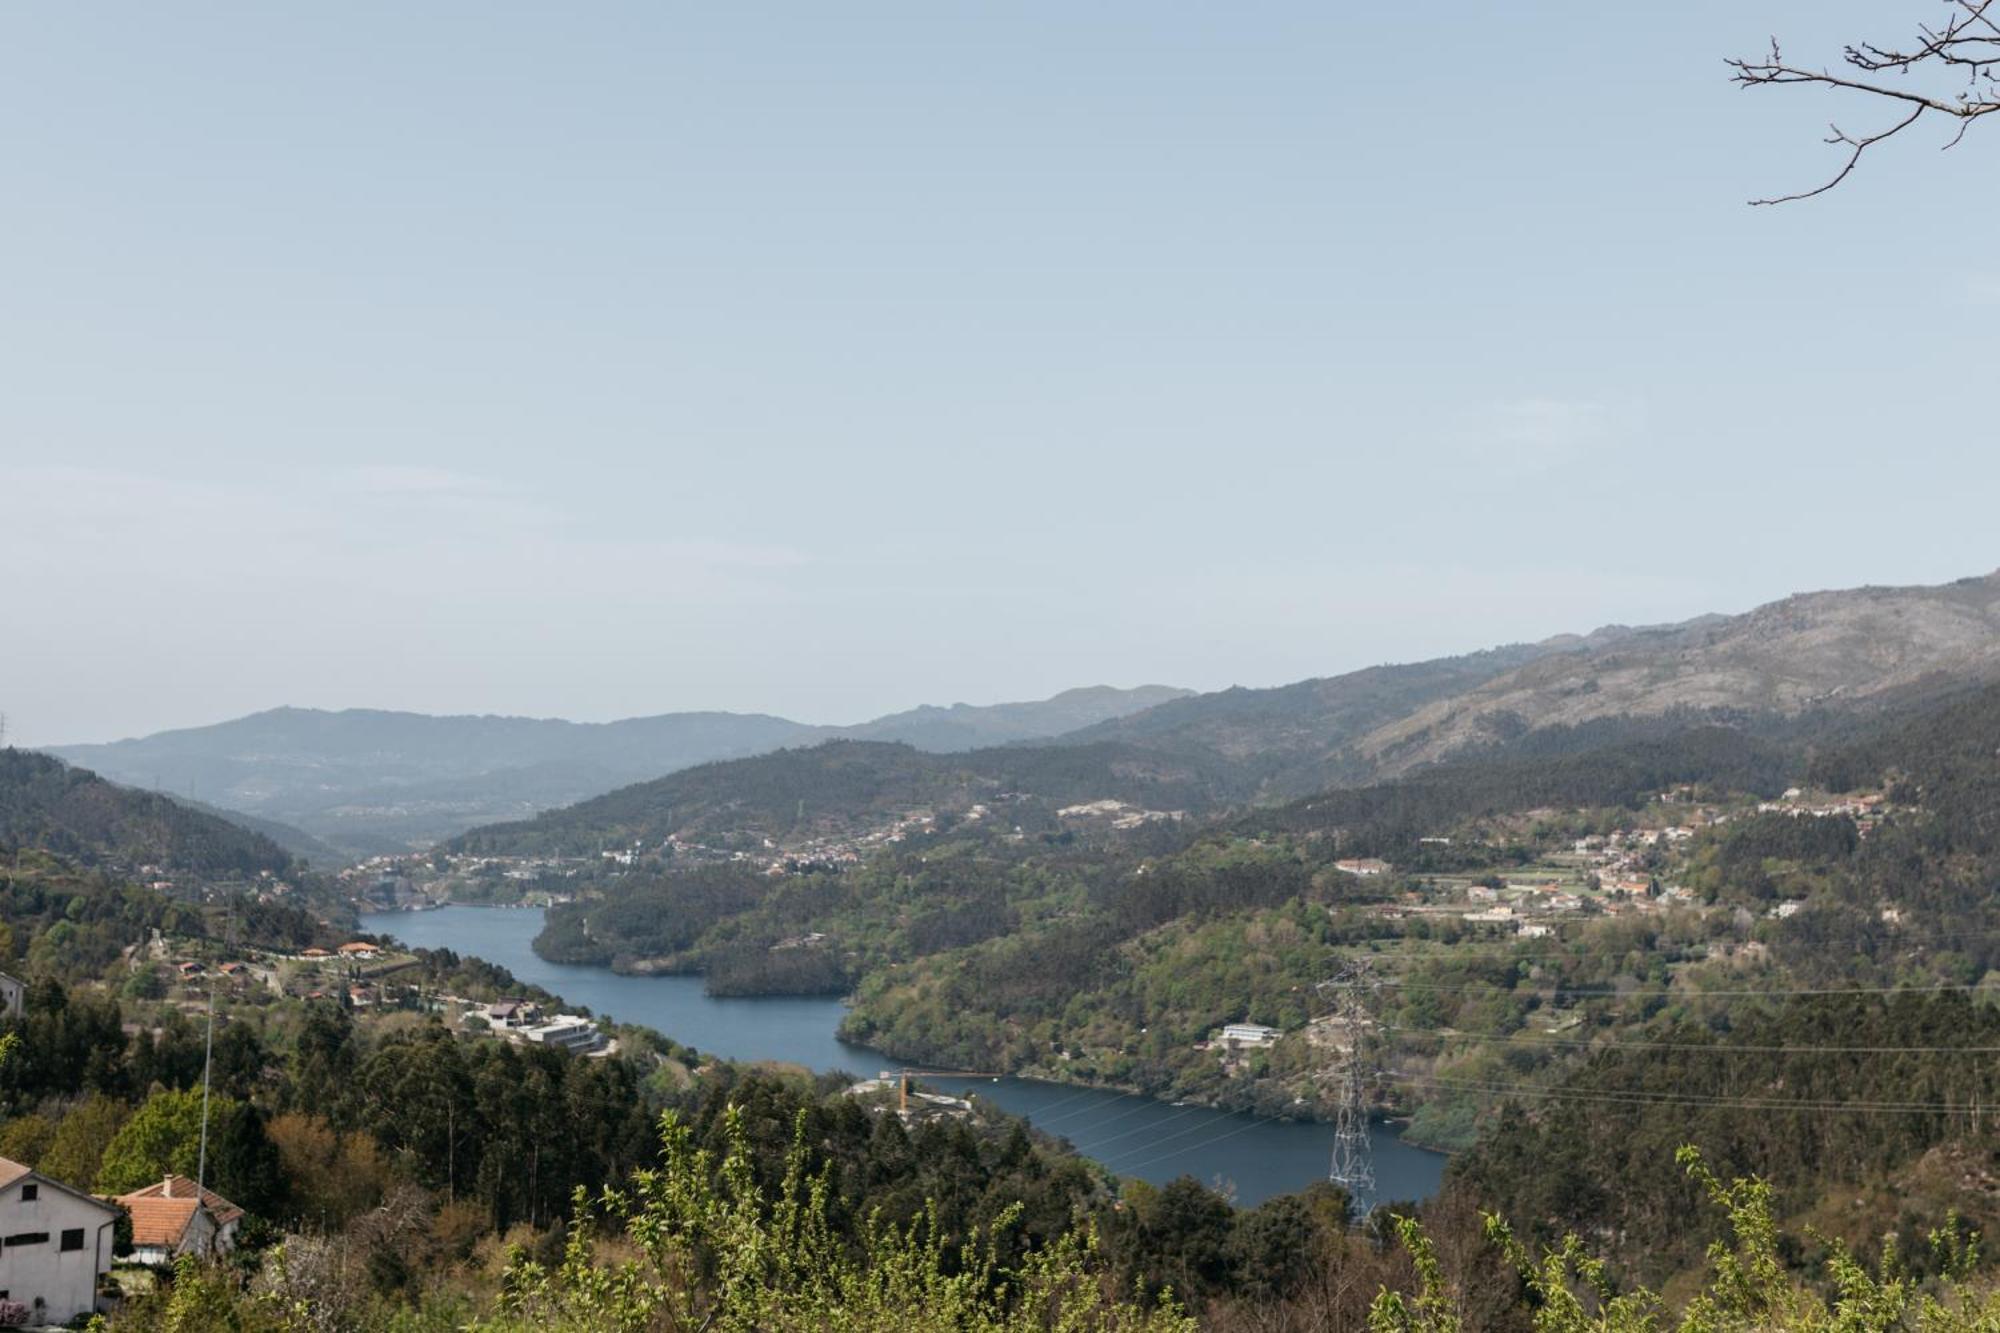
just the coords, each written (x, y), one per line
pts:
(1964, 54)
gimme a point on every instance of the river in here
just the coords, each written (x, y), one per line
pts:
(1255, 1158)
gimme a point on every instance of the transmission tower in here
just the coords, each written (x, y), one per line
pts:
(1353, 1151)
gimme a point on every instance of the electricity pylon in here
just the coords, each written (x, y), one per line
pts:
(1353, 1150)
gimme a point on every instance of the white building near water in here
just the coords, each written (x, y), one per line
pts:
(55, 1245)
(569, 1031)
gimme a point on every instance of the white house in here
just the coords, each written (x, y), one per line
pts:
(13, 996)
(177, 1217)
(1249, 1034)
(55, 1244)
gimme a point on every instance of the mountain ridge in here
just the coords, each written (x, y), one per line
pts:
(1803, 666)
(382, 780)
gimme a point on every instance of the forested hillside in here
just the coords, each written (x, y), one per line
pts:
(847, 788)
(1864, 1109)
(1948, 760)
(46, 803)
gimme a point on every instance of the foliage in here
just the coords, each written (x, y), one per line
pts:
(712, 1251)
(1749, 1287)
(1592, 1156)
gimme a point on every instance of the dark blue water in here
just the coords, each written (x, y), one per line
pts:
(1254, 1158)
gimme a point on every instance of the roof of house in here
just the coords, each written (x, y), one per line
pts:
(179, 1189)
(159, 1222)
(11, 1171)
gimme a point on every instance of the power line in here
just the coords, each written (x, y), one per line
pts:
(1515, 1039)
(1042, 1116)
(1201, 1145)
(1561, 947)
(1101, 1144)
(1685, 994)
(1641, 1098)
(1144, 1147)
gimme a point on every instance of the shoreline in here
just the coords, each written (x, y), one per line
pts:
(1395, 1125)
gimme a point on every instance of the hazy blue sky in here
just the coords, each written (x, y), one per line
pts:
(828, 358)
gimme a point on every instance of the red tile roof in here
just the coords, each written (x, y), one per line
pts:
(176, 1189)
(159, 1222)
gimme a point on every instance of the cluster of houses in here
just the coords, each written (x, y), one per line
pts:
(355, 951)
(56, 1242)
(1623, 851)
(1865, 810)
(1120, 816)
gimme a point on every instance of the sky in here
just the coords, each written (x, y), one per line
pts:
(594, 361)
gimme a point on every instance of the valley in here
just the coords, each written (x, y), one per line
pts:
(1553, 954)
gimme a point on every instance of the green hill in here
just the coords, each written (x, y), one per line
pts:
(77, 815)
(845, 788)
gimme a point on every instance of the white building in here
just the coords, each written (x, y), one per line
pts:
(1249, 1034)
(13, 996)
(55, 1245)
(567, 1031)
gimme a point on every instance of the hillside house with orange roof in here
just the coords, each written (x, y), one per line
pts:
(177, 1217)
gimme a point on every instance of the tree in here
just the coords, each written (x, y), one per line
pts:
(76, 1150)
(1950, 70)
(333, 1176)
(162, 1136)
(705, 1247)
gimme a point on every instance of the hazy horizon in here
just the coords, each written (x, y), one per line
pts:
(936, 702)
(498, 359)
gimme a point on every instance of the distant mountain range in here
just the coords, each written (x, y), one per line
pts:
(367, 781)
(1814, 654)
(1812, 667)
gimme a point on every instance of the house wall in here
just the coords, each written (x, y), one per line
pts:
(64, 1281)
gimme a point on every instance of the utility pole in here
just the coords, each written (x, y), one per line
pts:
(207, 1067)
(1353, 1167)
(207, 1064)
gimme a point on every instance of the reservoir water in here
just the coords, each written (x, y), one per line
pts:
(1254, 1157)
